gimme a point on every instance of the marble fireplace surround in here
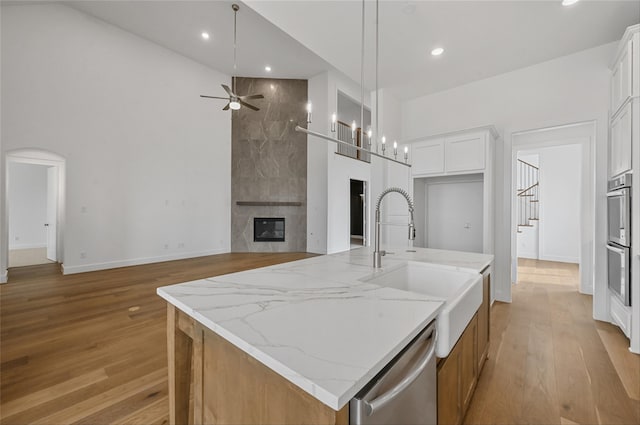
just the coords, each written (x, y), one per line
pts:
(269, 164)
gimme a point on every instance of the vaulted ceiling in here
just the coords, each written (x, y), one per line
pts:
(299, 39)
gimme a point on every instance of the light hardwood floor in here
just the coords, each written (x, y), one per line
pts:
(91, 348)
(28, 257)
(548, 363)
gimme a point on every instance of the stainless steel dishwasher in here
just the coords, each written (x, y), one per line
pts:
(405, 391)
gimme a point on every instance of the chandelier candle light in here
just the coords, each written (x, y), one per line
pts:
(354, 126)
(406, 154)
(309, 108)
(334, 119)
(395, 149)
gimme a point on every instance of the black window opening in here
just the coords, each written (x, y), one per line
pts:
(268, 229)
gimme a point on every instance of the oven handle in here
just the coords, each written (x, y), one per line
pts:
(620, 192)
(616, 250)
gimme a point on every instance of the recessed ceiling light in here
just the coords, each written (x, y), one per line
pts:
(205, 35)
(569, 2)
(437, 51)
(267, 68)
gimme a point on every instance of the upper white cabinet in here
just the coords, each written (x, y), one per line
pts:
(621, 77)
(465, 152)
(624, 91)
(428, 157)
(462, 152)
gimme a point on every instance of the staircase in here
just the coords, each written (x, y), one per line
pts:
(528, 194)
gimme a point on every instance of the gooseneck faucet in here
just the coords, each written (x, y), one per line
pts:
(377, 254)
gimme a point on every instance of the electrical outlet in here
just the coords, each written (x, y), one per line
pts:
(166, 246)
(17, 238)
(83, 255)
(83, 209)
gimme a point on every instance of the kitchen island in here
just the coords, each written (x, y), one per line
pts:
(291, 343)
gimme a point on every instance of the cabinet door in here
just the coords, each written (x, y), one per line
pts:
(484, 321)
(449, 397)
(464, 153)
(621, 78)
(469, 362)
(620, 148)
(428, 157)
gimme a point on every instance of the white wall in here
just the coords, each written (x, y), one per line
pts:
(560, 214)
(570, 89)
(556, 237)
(394, 209)
(328, 174)
(27, 206)
(147, 160)
(454, 213)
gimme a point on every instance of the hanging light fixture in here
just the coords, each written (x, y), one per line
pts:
(235, 101)
(354, 125)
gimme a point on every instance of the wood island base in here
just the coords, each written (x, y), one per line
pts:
(213, 382)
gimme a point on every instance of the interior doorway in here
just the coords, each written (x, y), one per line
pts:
(33, 198)
(34, 209)
(553, 212)
(358, 209)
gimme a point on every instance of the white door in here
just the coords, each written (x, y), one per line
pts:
(52, 212)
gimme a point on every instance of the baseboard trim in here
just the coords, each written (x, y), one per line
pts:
(27, 246)
(4, 276)
(560, 259)
(138, 261)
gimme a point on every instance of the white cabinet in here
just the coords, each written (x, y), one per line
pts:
(620, 148)
(621, 77)
(623, 90)
(428, 157)
(457, 153)
(464, 153)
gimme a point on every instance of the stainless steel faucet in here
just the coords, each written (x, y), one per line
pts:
(377, 254)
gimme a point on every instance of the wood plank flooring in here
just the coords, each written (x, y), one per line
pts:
(547, 361)
(91, 348)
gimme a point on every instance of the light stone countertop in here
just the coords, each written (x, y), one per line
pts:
(314, 321)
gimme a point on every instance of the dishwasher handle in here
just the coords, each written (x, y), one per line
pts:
(372, 406)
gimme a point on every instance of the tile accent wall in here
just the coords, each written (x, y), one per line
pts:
(269, 164)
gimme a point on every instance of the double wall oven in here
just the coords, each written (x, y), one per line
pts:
(619, 238)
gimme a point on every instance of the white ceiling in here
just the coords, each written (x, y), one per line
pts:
(481, 38)
(178, 25)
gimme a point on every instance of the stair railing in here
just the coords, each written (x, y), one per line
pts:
(528, 194)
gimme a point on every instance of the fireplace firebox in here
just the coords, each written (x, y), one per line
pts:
(268, 229)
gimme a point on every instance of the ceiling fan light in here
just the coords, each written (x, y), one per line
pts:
(234, 105)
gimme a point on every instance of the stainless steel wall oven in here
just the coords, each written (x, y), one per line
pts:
(619, 237)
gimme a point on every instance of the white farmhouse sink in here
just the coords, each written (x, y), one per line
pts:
(460, 289)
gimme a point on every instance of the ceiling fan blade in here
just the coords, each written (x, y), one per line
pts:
(227, 89)
(214, 97)
(251, 96)
(226, 108)
(242, 102)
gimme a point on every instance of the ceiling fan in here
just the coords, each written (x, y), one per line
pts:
(235, 101)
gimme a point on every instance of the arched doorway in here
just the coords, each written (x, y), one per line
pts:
(34, 163)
